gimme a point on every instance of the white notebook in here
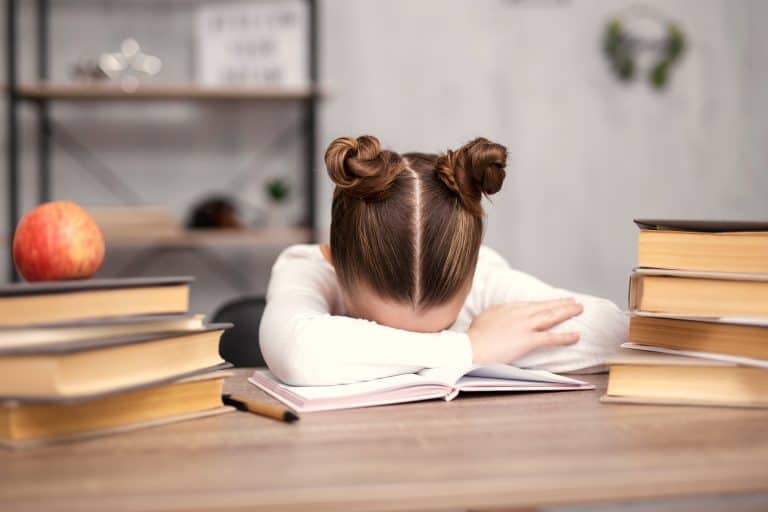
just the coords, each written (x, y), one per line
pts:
(431, 383)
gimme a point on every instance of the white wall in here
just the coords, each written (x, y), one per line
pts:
(587, 154)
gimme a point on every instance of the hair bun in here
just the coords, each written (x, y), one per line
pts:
(359, 167)
(474, 169)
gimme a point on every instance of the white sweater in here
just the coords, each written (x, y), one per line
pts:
(306, 340)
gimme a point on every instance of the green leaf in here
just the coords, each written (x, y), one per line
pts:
(659, 74)
(277, 189)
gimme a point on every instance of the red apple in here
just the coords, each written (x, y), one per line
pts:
(57, 240)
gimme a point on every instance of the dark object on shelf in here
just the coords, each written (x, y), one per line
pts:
(42, 93)
(622, 48)
(240, 344)
(215, 212)
(277, 190)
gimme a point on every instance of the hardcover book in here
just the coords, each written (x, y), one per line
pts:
(699, 294)
(25, 423)
(643, 377)
(703, 245)
(65, 301)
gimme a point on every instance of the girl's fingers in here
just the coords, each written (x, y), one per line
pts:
(516, 305)
(551, 317)
(556, 338)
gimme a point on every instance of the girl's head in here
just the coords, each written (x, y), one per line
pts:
(406, 229)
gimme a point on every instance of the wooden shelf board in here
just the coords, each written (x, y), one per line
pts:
(267, 237)
(151, 91)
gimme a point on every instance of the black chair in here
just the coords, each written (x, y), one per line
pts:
(240, 344)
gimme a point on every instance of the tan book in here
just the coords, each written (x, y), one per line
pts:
(23, 424)
(707, 294)
(653, 378)
(95, 366)
(70, 332)
(703, 245)
(749, 341)
(65, 301)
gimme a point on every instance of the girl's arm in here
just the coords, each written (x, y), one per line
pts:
(304, 344)
(602, 325)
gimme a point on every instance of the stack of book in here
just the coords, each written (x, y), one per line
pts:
(79, 358)
(699, 327)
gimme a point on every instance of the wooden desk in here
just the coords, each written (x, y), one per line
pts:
(481, 452)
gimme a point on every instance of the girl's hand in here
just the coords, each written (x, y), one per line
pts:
(507, 332)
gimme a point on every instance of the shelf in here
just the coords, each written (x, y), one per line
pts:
(192, 238)
(73, 91)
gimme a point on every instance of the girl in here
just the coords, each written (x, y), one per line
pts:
(406, 284)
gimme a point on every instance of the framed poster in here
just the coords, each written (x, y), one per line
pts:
(261, 42)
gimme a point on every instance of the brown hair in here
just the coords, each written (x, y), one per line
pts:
(410, 226)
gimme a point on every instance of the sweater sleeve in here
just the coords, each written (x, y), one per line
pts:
(602, 325)
(304, 344)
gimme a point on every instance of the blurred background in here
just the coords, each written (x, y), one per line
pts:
(150, 110)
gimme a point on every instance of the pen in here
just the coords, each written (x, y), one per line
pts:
(260, 408)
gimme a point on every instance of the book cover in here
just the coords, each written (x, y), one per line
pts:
(78, 285)
(708, 226)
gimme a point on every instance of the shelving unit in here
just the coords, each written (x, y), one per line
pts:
(156, 92)
(42, 93)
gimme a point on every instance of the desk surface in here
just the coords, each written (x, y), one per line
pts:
(478, 452)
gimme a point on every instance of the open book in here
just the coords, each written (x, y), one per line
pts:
(431, 383)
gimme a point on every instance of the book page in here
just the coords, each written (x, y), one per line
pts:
(447, 375)
(489, 384)
(355, 389)
(739, 320)
(705, 274)
(503, 374)
(388, 390)
(507, 372)
(745, 361)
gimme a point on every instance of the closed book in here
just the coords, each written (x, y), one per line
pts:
(717, 246)
(703, 226)
(654, 378)
(705, 294)
(701, 335)
(65, 301)
(69, 332)
(27, 423)
(86, 367)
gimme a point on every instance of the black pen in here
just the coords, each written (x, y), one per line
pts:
(260, 408)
